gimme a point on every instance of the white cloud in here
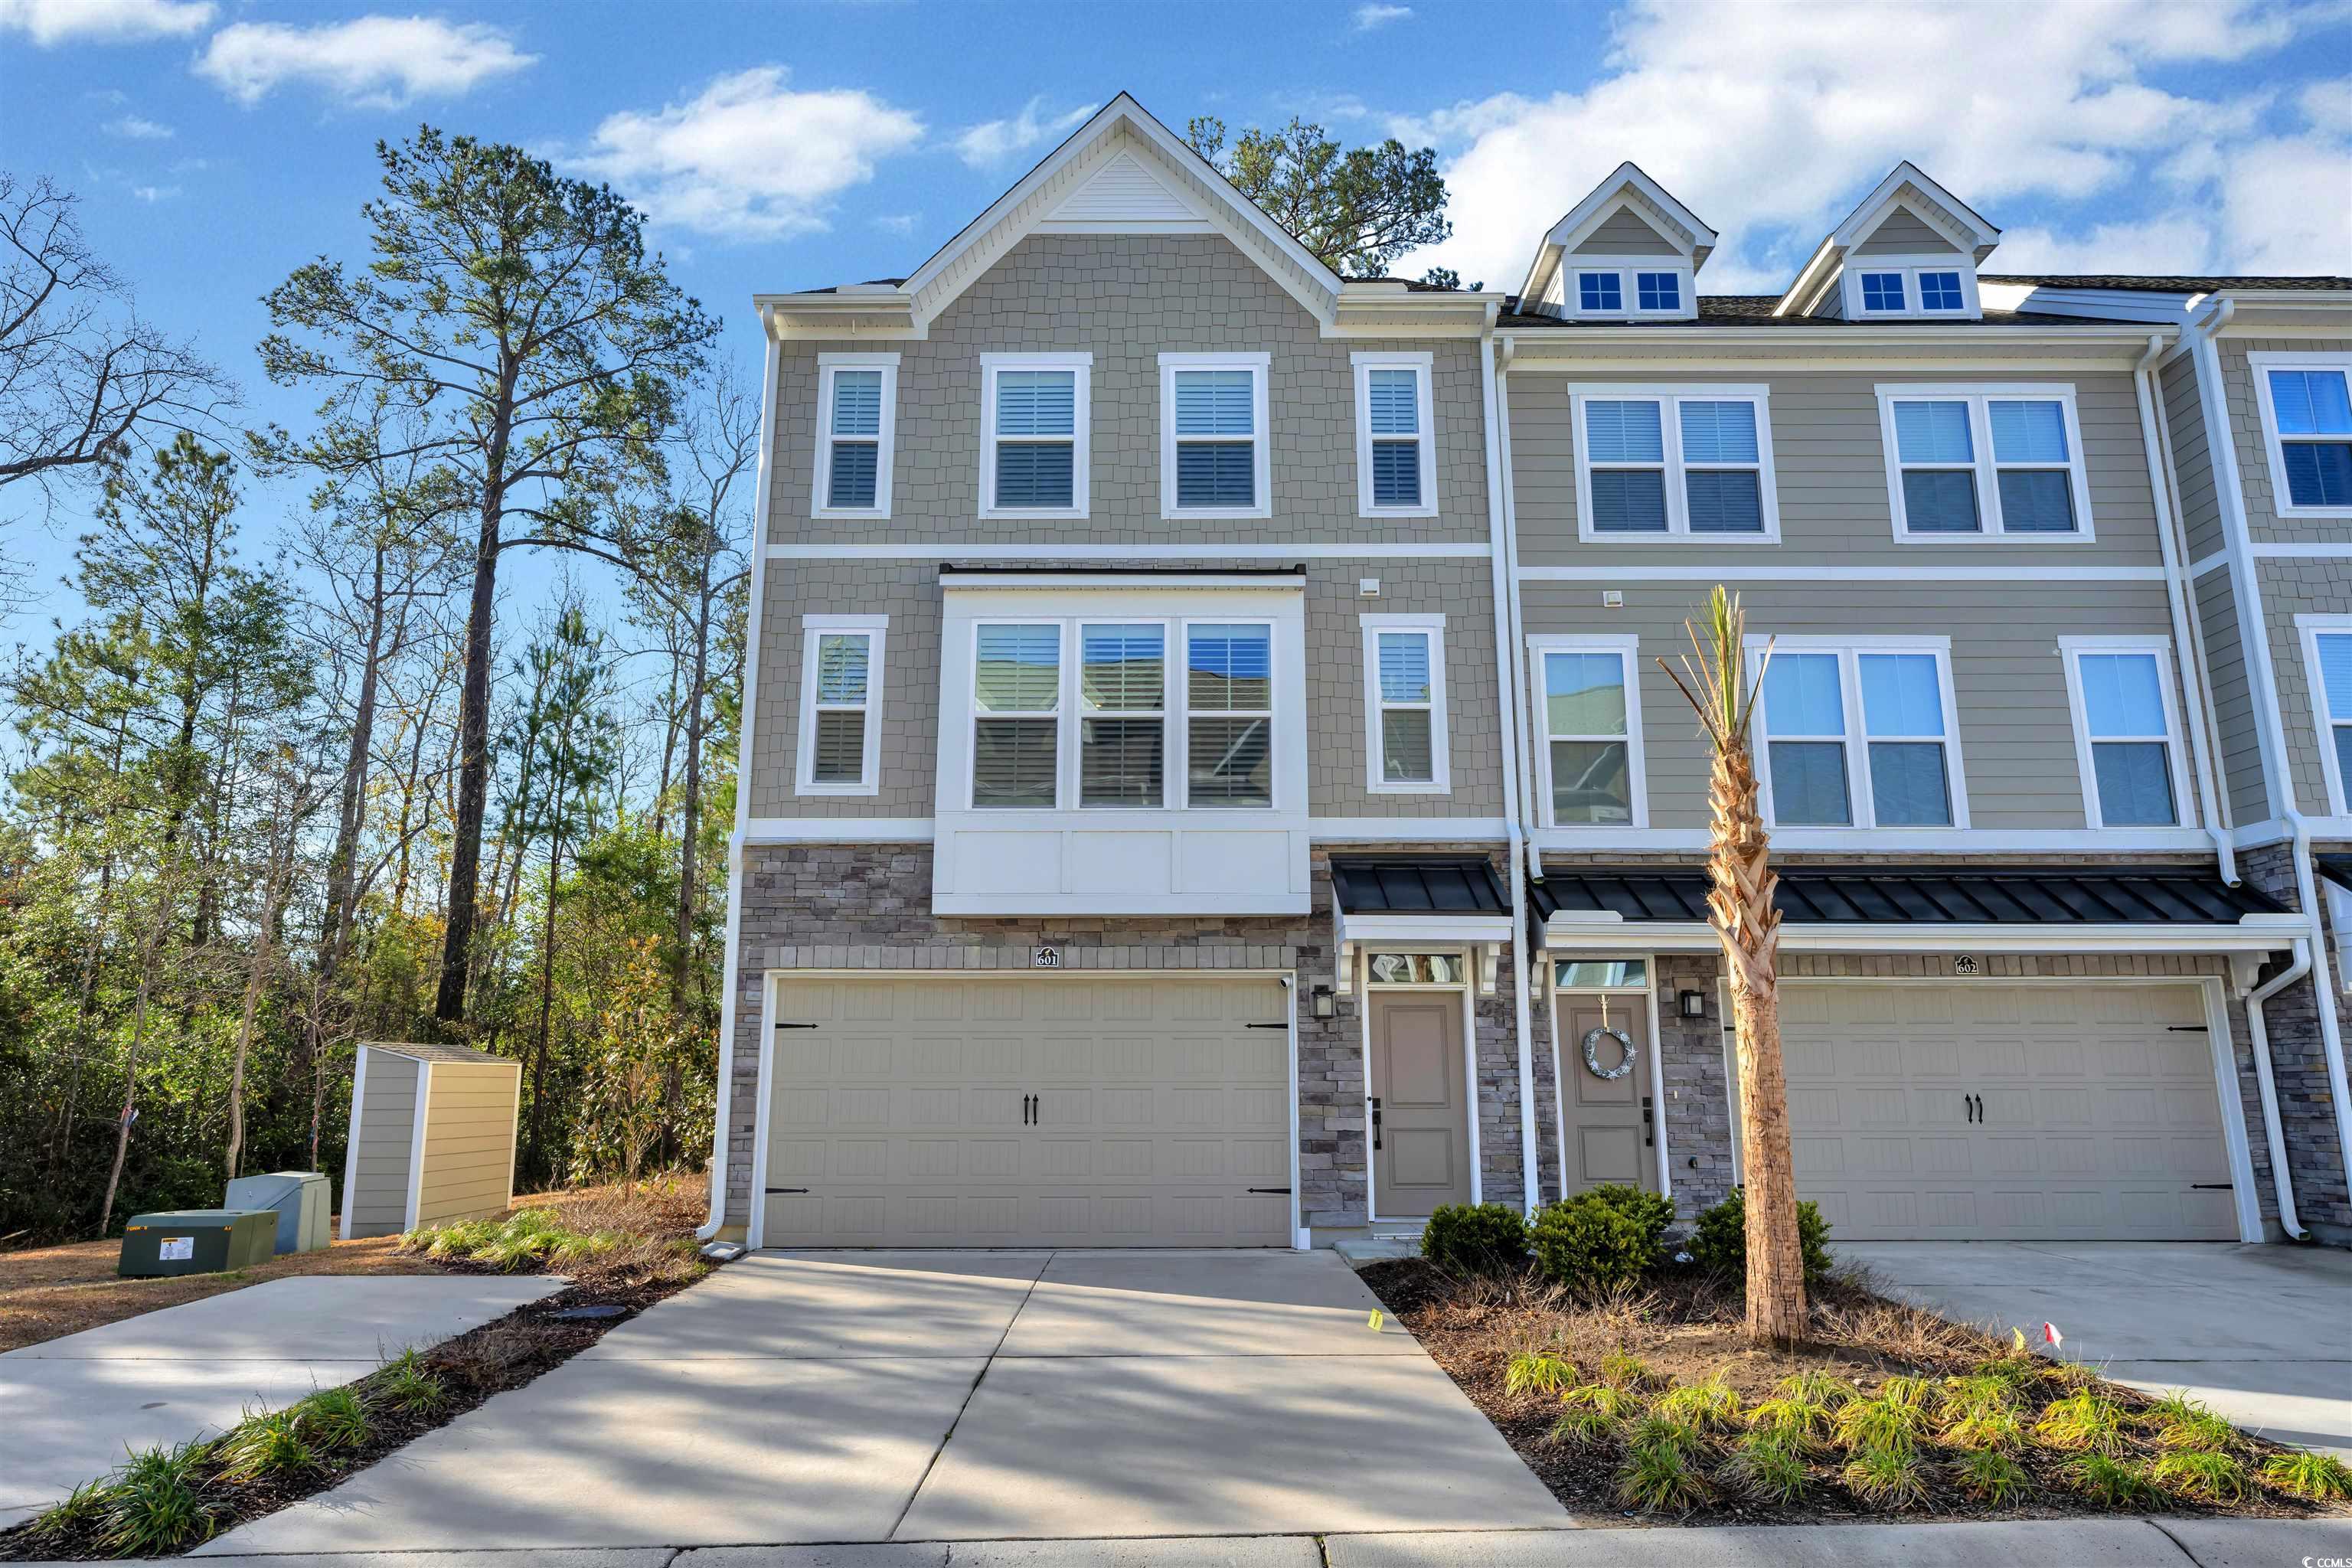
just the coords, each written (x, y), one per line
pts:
(1805, 107)
(151, 193)
(1371, 16)
(991, 142)
(2160, 245)
(748, 157)
(374, 62)
(48, 21)
(898, 223)
(132, 128)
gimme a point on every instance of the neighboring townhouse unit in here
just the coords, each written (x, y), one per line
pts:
(1207, 776)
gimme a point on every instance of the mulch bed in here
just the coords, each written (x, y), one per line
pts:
(1686, 1328)
(504, 1354)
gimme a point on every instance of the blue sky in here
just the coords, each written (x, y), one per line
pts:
(219, 144)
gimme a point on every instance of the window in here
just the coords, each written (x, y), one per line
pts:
(1212, 412)
(1016, 701)
(2307, 404)
(1591, 719)
(2327, 663)
(1687, 461)
(1396, 472)
(841, 698)
(1122, 714)
(1981, 463)
(1033, 448)
(1910, 285)
(1859, 736)
(1633, 286)
(1405, 703)
(1599, 292)
(1229, 738)
(1658, 290)
(2125, 740)
(857, 398)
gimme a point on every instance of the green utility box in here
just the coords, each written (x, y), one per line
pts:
(197, 1241)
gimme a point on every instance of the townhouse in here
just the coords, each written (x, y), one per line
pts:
(1208, 779)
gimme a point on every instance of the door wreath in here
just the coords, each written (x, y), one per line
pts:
(1592, 1038)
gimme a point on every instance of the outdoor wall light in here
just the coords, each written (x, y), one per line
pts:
(1322, 1002)
(1692, 1003)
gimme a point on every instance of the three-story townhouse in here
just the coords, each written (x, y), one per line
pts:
(1208, 776)
(1126, 671)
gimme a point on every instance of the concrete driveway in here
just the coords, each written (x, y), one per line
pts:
(2263, 1335)
(941, 1396)
(73, 1404)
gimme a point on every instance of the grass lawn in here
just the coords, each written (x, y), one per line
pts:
(1650, 1403)
(622, 1252)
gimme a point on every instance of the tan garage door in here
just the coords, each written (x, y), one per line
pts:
(1077, 1111)
(2098, 1119)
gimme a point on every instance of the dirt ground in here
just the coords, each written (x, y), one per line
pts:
(48, 1293)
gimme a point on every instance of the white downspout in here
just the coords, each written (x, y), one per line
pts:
(735, 851)
(2192, 683)
(1515, 858)
(1522, 720)
(2259, 1038)
(2269, 725)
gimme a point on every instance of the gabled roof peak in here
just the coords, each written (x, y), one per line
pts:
(1907, 186)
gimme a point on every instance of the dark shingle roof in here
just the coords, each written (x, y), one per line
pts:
(1834, 895)
(2128, 283)
(1455, 885)
(1756, 310)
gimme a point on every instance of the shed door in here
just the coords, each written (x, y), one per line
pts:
(1078, 1111)
(1992, 1112)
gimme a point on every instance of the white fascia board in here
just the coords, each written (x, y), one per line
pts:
(772, 830)
(2255, 933)
(1140, 582)
(1962, 223)
(2127, 340)
(1391, 927)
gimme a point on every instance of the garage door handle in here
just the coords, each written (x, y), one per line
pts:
(774, 1191)
(1270, 1189)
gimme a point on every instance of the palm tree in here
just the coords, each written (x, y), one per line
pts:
(1740, 908)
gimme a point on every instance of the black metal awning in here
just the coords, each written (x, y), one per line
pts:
(1883, 895)
(2337, 869)
(1417, 885)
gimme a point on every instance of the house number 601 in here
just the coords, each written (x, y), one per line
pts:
(1045, 958)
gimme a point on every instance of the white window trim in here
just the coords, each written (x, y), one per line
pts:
(1441, 765)
(1978, 395)
(1258, 365)
(1572, 269)
(1910, 267)
(1175, 713)
(1081, 366)
(2071, 649)
(1637, 784)
(1671, 396)
(1860, 795)
(2260, 365)
(887, 446)
(1426, 422)
(2308, 630)
(869, 775)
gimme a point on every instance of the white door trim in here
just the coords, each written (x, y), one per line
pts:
(2222, 1047)
(1468, 956)
(756, 1233)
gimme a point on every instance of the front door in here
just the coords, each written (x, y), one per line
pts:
(1420, 1143)
(1608, 1132)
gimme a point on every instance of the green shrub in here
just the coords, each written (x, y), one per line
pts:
(1620, 1370)
(265, 1447)
(1799, 1424)
(1709, 1406)
(334, 1419)
(1992, 1425)
(1584, 1423)
(1823, 1388)
(2084, 1420)
(1888, 1477)
(2181, 1422)
(1648, 1210)
(1475, 1239)
(1766, 1467)
(2200, 1476)
(1886, 1425)
(1617, 1402)
(155, 1505)
(1540, 1372)
(2314, 1477)
(1719, 1243)
(404, 1385)
(2110, 1482)
(1659, 1471)
(1993, 1478)
(1593, 1247)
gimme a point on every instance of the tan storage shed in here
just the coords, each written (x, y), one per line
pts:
(432, 1137)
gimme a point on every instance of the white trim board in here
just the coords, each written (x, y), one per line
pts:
(2254, 933)
(416, 1141)
(351, 1133)
(1827, 573)
(1327, 550)
(769, 830)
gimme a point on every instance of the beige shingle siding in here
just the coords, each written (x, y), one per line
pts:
(1624, 234)
(907, 592)
(2184, 415)
(376, 1172)
(2016, 728)
(2238, 743)
(1127, 300)
(1831, 468)
(2291, 588)
(1905, 234)
(468, 1140)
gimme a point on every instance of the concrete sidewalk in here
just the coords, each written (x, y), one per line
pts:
(70, 1407)
(2031, 1543)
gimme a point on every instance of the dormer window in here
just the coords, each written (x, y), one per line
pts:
(1599, 292)
(1882, 292)
(1941, 291)
(1659, 290)
(1936, 290)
